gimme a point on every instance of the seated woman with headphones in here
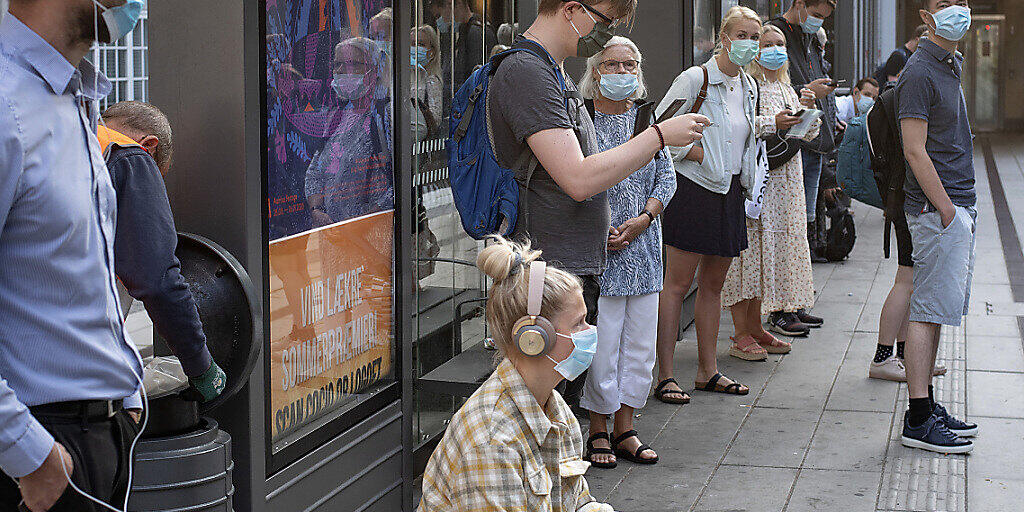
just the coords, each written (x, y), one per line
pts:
(515, 444)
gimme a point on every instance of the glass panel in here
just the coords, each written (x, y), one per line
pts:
(704, 30)
(140, 90)
(453, 40)
(331, 200)
(121, 90)
(139, 63)
(767, 9)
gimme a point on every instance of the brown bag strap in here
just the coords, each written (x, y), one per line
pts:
(703, 94)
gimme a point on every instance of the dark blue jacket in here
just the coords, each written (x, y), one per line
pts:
(144, 260)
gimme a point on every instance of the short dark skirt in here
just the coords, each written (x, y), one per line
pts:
(700, 221)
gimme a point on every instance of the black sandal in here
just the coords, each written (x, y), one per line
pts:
(635, 456)
(660, 392)
(713, 386)
(598, 451)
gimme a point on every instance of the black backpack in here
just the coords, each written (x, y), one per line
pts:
(841, 234)
(887, 160)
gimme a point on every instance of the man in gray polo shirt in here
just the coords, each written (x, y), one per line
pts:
(940, 200)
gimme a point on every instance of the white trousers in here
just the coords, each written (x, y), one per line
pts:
(627, 331)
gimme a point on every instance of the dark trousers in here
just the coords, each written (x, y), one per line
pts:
(99, 450)
(591, 293)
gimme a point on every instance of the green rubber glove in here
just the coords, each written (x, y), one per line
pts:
(211, 383)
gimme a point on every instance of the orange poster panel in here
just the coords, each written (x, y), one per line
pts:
(331, 304)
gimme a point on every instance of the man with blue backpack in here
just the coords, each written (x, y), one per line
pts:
(522, 151)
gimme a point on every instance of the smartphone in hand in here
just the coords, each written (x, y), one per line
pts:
(838, 83)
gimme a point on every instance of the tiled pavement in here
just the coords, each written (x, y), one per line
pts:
(815, 433)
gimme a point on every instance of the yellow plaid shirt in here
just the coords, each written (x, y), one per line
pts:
(502, 452)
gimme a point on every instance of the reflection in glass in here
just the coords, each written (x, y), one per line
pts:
(330, 195)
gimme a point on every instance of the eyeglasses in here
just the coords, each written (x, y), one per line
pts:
(352, 66)
(611, 23)
(610, 66)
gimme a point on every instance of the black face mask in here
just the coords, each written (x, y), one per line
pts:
(592, 43)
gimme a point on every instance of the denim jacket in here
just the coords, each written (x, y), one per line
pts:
(711, 173)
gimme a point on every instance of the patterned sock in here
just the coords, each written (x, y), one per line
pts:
(883, 352)
(900, 346)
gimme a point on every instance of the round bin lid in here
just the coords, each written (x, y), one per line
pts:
(228, 309)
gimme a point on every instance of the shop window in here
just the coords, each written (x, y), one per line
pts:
(449, 39)
(330, 217)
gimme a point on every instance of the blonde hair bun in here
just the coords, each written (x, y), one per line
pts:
(501, 257)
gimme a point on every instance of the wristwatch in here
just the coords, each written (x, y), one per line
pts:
(649, 214)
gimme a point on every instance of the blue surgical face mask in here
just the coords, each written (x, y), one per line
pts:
(864, 104)
(419, 56)
(618, 86)
(743, 51)
(953, 22)
(120, 20)
(349, 86)
(812, 24)
(774, 57)
(577, 362)
(383, 46)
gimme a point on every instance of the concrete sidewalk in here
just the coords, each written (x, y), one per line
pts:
(815, 433)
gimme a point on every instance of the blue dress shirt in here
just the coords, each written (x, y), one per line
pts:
(61, 336)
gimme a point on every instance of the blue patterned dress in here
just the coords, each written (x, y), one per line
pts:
(637, 269)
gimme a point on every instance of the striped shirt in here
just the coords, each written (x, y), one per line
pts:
(502, 452)
(61, 336)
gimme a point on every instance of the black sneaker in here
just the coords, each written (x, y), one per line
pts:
(787, 324)
(958, 427)
(934, 436)
(808, 319)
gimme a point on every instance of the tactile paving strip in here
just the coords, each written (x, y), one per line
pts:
(919, 480)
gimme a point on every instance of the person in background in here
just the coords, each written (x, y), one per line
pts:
(427, 96)
(425, 59)
(940, 208)
(70, 376)
(529, 113)
(857, 103)
(890, 70)
(704, 224)
(515, 445)
(805, 44)
(773, 275)
(620, 378)
(507, 33)
(498, 48)
(474, 37)
(136, 142)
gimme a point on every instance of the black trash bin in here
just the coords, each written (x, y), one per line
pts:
(183, 461)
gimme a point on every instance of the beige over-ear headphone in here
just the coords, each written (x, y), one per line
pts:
(534, 334)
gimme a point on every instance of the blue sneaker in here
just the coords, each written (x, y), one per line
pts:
(958, 427)
(934, 436)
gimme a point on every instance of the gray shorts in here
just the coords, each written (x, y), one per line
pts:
(943, 266)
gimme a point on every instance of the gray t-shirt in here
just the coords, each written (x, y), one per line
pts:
(929, 89)
(524, 98)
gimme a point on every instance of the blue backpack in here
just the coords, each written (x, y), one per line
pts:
(853, 168)
(486, 194)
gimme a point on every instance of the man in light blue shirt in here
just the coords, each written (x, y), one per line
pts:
(67, 368)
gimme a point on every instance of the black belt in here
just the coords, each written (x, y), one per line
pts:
(88, 410)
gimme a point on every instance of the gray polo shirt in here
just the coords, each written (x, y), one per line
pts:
(929, 88)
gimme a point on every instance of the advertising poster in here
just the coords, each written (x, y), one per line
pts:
(330, 201)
